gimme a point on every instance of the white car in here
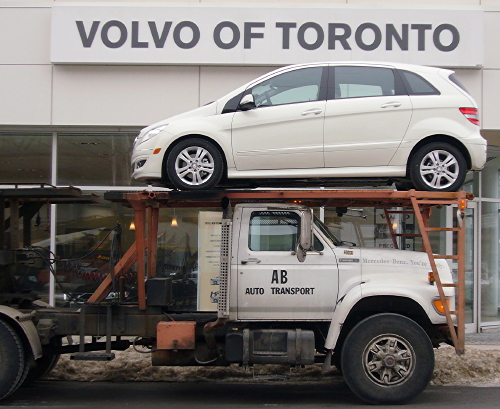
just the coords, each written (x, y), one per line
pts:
(322, 124)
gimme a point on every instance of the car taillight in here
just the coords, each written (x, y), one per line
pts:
(471, 114)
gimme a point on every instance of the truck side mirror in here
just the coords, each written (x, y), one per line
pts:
(247, 103)
(306, 235)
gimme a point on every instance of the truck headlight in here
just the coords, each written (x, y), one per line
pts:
(152, 133)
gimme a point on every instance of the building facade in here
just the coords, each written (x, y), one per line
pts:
(78, 80)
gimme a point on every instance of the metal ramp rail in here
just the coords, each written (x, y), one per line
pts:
(146, 205)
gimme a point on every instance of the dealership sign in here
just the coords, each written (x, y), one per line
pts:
(131, 34)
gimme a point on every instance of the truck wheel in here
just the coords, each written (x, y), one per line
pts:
(12, 360)
(194, 164)
(44, 364)
(387, 359)
(438, 166)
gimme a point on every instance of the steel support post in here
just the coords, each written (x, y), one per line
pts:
(153, 214)
(14, 223)
(462, 205)
(2, 224)
(140, 222)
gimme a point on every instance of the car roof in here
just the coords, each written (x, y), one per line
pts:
(401, 66)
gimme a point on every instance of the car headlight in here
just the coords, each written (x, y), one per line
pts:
(152, 133)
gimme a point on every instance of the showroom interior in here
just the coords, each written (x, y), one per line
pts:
(72, 105)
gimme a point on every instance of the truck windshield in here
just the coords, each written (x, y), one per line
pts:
(326, 231)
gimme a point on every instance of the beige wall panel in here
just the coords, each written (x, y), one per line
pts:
(25, 94)
(284, 2)
(129, 1)
(492, 39)
(472, 80)
(25, 34)
(491, 107)
(122, 95)
(216, 82)
(420, 2)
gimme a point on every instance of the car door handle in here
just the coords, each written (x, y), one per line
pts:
(394, 104)
(313, 111)
(250, 260)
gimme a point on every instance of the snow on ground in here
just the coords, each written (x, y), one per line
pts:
(474, 368)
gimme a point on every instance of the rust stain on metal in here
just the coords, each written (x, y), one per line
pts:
(175, 335)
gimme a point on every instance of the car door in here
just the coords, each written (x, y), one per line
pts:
(285, 129)
(272, 283)
(367, 115)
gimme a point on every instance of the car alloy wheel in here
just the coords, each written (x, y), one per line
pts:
(194, 164)
(438, 166)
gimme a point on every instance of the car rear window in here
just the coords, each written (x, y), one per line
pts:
(417, 85)
(453, 78)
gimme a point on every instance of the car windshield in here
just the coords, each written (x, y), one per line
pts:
(327, 233)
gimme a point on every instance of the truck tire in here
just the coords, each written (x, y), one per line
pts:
(44, 364)
(439, 167)
(195, 164)
(387, 359)
(13, 364)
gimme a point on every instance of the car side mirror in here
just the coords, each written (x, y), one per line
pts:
(305, 242)
(247, 102)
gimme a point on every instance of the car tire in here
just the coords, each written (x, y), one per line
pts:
(387, 359)
(195, 164)
(439, 167)
(13, 364)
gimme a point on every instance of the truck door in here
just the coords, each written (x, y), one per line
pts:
(272, 283)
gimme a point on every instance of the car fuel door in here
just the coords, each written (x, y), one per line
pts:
(271, 283)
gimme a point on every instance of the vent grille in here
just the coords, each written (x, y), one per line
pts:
(225, 265)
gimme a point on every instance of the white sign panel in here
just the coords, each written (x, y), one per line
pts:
(264, 35)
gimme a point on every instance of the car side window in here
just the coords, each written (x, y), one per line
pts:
(417, 85)
(357, 82)
(292, 87)
(273, 231)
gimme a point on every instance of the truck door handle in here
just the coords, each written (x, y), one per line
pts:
(250, 260)
(313, 111)
(394, 104)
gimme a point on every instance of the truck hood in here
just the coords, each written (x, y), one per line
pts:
(404, 262)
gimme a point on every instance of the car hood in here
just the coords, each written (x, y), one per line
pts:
(206, 110)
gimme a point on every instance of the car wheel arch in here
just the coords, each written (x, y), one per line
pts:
(439, 138)
(164, 175)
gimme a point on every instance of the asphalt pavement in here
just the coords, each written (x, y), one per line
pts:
(219, 395)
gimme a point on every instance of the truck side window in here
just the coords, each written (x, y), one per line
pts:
(318, 246)
(273, 231)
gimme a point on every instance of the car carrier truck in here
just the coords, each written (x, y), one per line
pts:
(288, 292)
